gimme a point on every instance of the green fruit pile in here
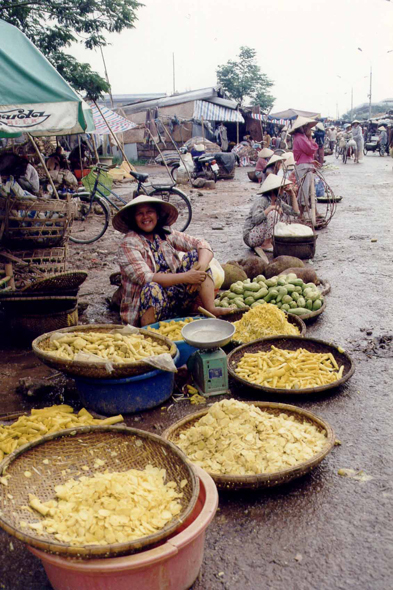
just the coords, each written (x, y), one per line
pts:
(287, 292)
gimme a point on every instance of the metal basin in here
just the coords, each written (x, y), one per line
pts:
(208, 333)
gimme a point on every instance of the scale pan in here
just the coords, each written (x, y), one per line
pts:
(208, 334)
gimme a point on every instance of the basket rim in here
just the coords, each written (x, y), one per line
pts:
(246, 481)
(43, 354)
(312, 314)
(114, 548)
(298, 320)
(305, 391)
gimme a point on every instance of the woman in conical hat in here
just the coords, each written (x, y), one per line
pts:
(263, 158)
(156, 283)
(266, 210)
(304, 151)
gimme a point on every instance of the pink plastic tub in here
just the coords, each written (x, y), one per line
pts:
(174, 565)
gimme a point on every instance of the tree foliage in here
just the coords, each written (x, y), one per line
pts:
(244, 81)
(52, 25)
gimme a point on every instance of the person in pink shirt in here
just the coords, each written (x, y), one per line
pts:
(304, 150)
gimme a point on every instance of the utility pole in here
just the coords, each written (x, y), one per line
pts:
(173, 71)
(371, 85)
(107, 77)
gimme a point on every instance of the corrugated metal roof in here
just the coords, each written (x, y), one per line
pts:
(210, 94)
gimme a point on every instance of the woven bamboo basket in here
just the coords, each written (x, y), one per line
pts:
(97, 370)
(35, 223)
(263, 480)
(36, 265)
(67, 452)
(27, 320)
(64, 282)
(291, 343)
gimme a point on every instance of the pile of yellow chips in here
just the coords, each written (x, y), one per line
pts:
(108, 507)
(235, 438)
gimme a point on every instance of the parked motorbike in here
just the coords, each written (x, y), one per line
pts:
(374, 145)
(202, 166)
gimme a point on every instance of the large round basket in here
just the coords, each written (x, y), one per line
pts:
(292, 319)
(96, 370)
(68, 453)
(263, 480)
(291, 343)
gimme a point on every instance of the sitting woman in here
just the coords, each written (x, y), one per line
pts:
(273, 166)
(265, 212)
(157, 284)
(263, 159)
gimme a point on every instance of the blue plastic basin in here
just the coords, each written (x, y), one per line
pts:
(185, 349)
(126, 396)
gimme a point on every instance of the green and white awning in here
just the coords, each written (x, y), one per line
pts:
(34, 98)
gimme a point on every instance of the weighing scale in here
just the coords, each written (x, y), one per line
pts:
(208, 365)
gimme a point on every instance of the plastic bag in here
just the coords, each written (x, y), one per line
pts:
(292, 230)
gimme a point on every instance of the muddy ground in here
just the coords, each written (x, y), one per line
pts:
(323, 531)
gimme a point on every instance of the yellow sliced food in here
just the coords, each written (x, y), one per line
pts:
(172, 329)
(118, 348)
(262, 321)
(109, 507)
(287, 369)
(235, 438)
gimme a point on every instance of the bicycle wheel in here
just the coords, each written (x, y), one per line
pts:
(176, 197)
(345, 155)
(337, 151)
(91, 221)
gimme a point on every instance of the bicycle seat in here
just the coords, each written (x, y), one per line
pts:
(162, 187)
(139, 177)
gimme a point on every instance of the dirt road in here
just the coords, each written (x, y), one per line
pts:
(324, 531)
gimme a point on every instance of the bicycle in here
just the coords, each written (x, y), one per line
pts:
(93, 212)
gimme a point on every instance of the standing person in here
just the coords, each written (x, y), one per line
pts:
(156, 283)
(357, 135)
(383, 138)
(263, 159)
(332, 138)
(266, 210)
(222, 136)
(283, 138)
(319, 136)
(304, 149)
(266, 140)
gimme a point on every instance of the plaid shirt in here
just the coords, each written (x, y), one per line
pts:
(138, 267)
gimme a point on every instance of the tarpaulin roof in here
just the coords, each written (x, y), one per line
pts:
(214, 112)
(117, 123)
(34, 98)
(292, 114)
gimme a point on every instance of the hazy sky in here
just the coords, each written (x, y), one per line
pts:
(302, 45)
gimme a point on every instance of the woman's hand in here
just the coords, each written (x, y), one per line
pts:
(273, 208)
(194, 277)
(200, 266)
(316, 163)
